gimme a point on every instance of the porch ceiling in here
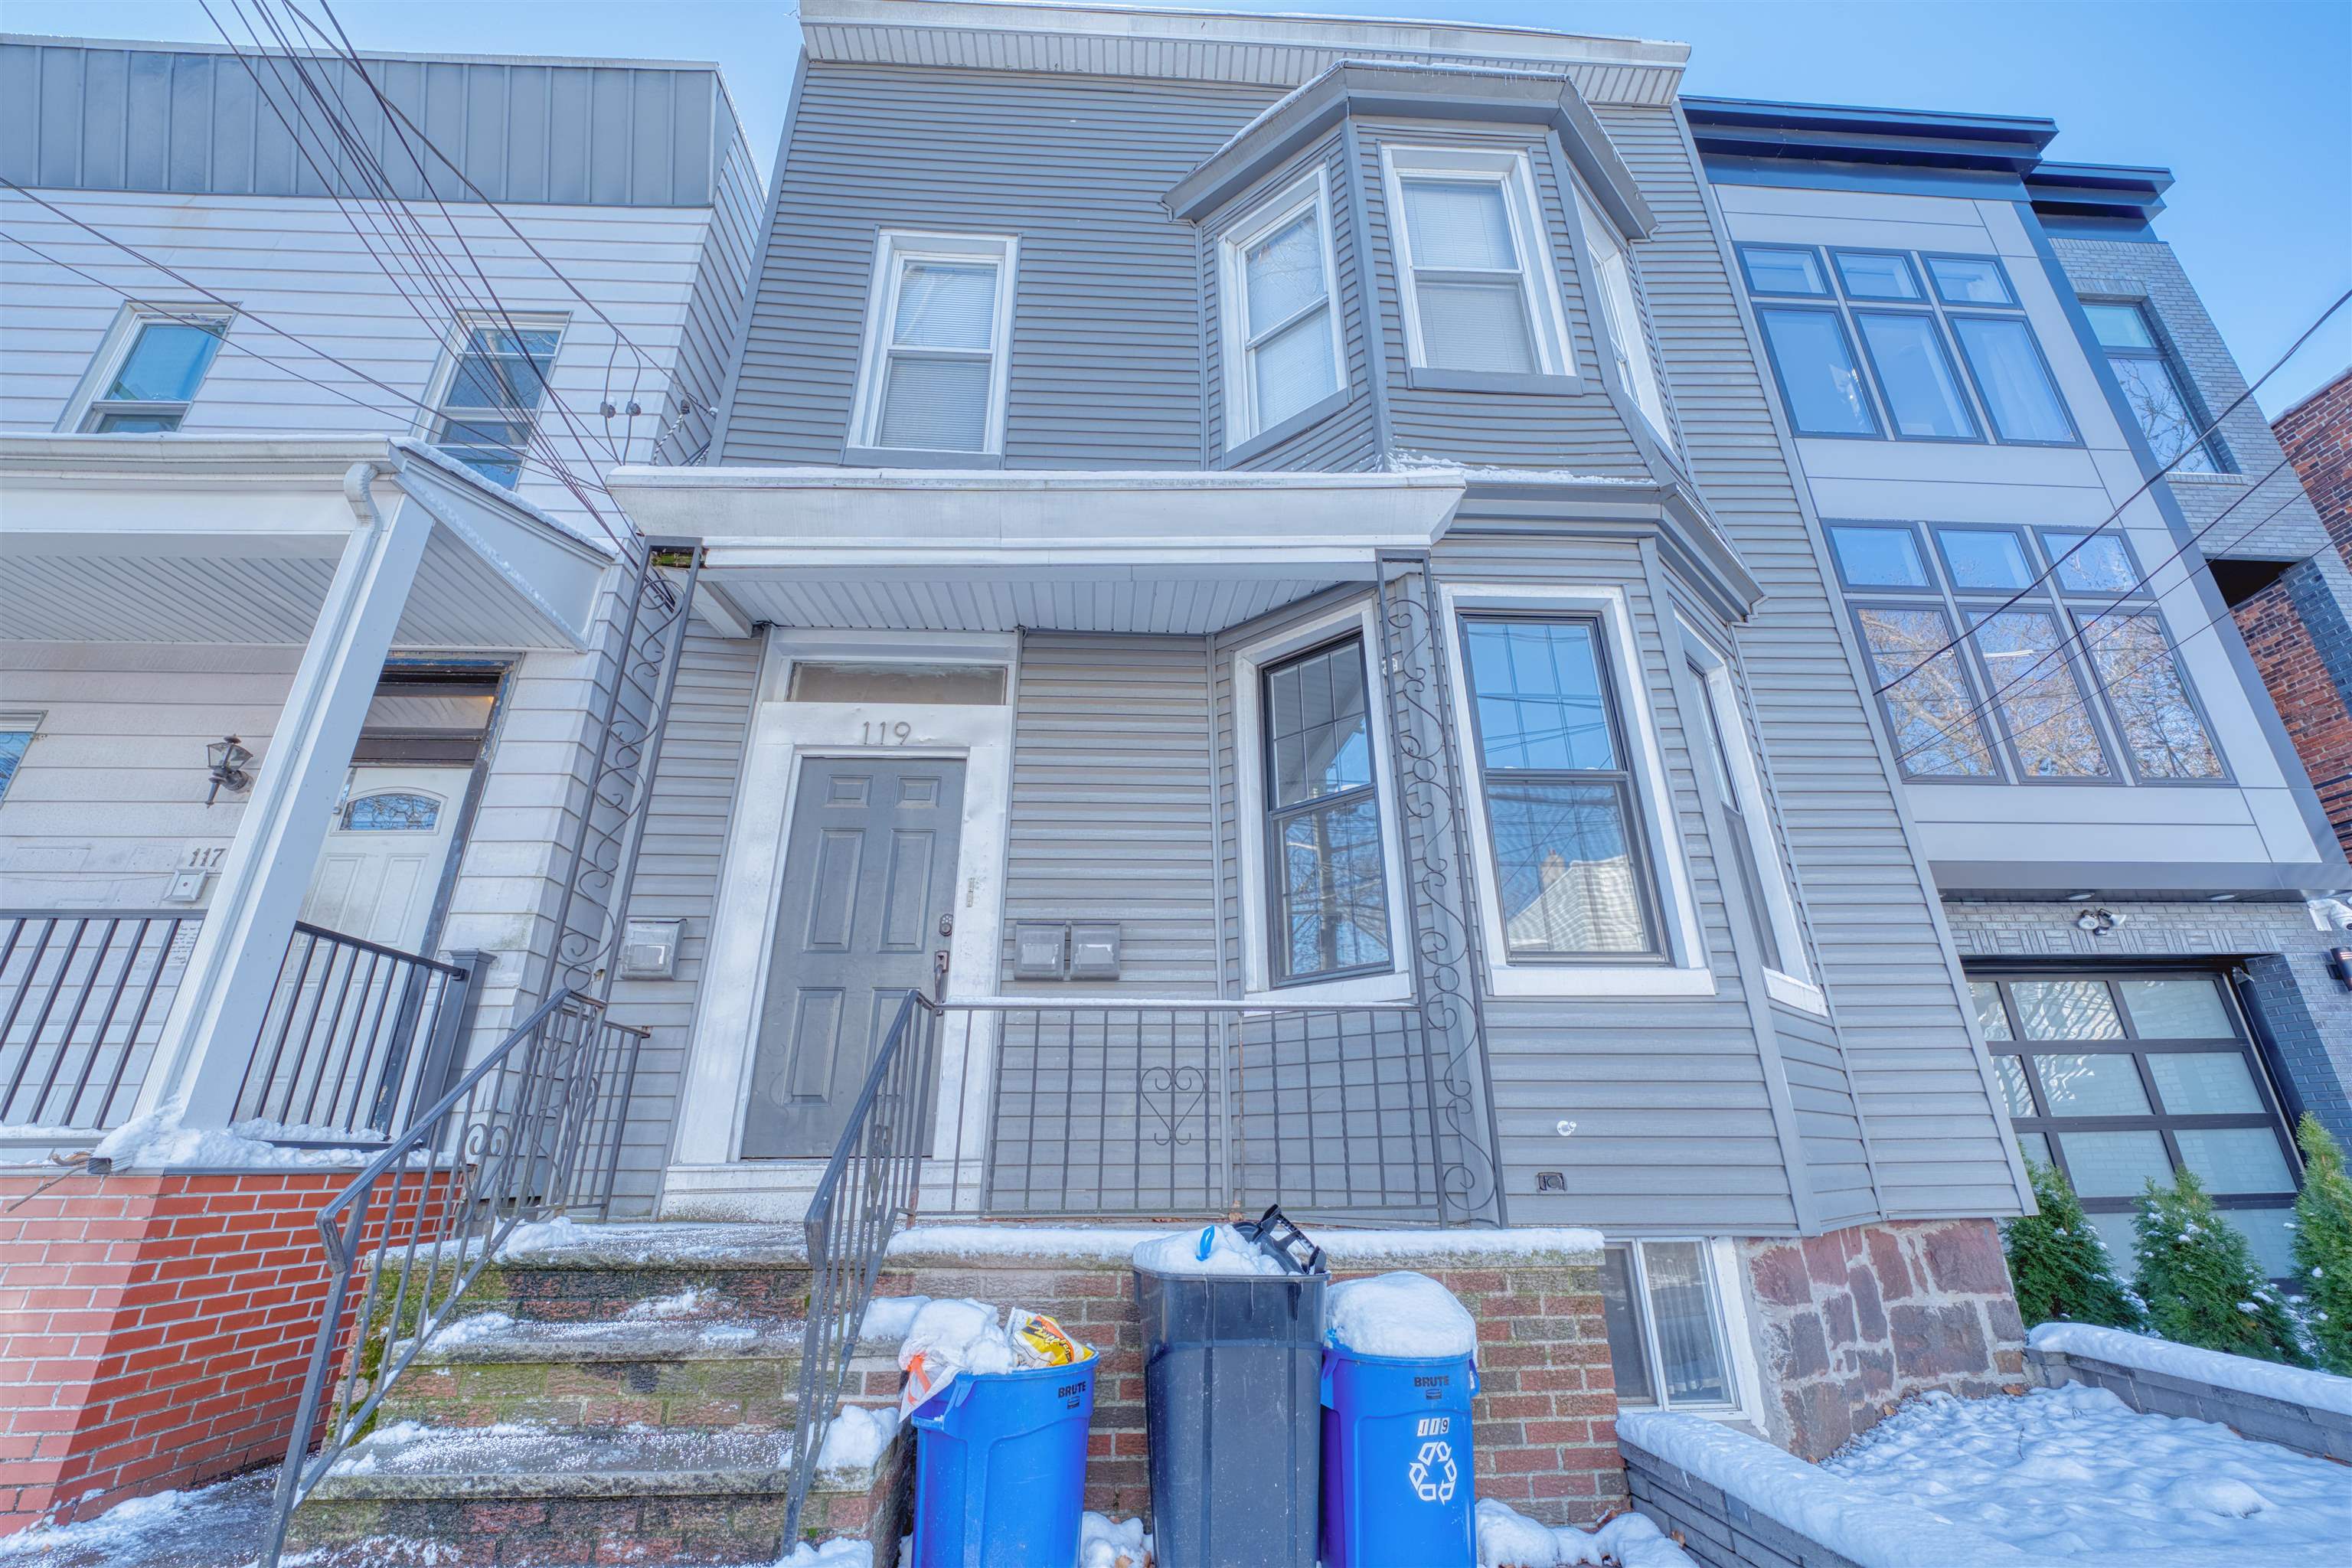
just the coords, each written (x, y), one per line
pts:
(175, 538)
(932, 549)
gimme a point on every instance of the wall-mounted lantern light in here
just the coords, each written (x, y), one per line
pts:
(229, 757)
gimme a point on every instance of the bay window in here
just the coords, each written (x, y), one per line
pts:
(1328, 886)
(1473, 265)
(1283, 350)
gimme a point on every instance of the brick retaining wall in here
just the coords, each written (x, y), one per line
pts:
(155, 1330)
(1544, 1421)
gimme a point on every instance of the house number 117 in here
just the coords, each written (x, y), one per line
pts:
(884, 733)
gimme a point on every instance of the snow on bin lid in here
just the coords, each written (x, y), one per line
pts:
(1226, 1252)
(1402, 1314)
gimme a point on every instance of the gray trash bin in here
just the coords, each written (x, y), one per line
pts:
(1232, 1400)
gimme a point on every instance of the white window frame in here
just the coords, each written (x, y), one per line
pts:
(1609, 265)
(434, 417)
(1742, 1377)
(1312, 193)
(114, 350)
(1249, 665)
(1685, 970)
(24, 721)
(893, 250)
(1794, 982)
(1509, 170)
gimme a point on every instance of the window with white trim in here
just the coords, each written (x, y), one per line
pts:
(17, 733)
(932, 375)
(1755, 884)
(159, 362)
(1474, 263)
(1663, 1311)
(1283, 351)
(1329, 914)
(1610, 268)
(497, 382)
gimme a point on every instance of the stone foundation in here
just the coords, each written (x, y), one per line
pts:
(1849, 1323)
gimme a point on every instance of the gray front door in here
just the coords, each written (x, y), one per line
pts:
(869, 875)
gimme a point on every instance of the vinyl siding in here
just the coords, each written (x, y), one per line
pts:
(1106, 349)
(678, 878)
(296, 264)
(715, 306)
(1110, 816)
(1920, 1078)
(1583, 431)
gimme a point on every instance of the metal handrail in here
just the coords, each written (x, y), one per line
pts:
(532, 1129)
(1341, 1094)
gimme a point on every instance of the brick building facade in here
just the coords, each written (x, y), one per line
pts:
(2298, 629)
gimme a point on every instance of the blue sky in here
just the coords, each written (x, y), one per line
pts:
(2248, 101)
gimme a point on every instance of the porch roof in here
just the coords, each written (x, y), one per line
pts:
(235, 539)
(992, 550)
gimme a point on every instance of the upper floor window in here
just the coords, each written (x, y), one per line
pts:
(2152, 383)
(1987, 659)
(160, 363)
(490, 401)
(1610, 269)
(1565, 833)
(1283, 351)
(1474, 266)
(1748, 864)
(1323, 817)
(933, 377)
(1881, 326)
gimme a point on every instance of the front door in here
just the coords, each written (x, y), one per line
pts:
(869, 880)
(380, 868)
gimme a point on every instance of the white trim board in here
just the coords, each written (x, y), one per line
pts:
(724, 1039)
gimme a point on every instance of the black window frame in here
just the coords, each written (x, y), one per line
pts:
(1278, 970)
(2132, 1045)
(1625, 777)
(2162, 352)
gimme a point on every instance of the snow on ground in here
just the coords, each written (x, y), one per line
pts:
(1508, 1539)
(1216, 1249)
(2073, 1473)
(1400, 1314)
(543, 1235)
(2319, 1390)
(1106, 1542)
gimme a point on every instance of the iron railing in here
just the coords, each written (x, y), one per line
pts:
(356, 1033)
(1002, 1109)
(83, 995)
(531, 1132)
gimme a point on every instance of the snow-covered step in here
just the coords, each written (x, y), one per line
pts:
(642, 1369)
(525, 1493)
(563, 1271)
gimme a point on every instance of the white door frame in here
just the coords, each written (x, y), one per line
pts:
(706, 1177)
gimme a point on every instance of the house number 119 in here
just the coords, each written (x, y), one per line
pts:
(884, 733)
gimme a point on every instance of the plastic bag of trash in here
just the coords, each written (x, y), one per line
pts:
(948, 1338)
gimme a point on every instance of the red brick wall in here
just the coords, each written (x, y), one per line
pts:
(155, 1330)
(1853, 1321)
(1545, 1420)
(2316, 435)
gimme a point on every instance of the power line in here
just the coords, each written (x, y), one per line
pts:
(2038, 577)
(1971, 717)
(231, 345)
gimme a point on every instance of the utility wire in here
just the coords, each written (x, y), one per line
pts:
(1970, 719)
(231, 345)
(2145, 485)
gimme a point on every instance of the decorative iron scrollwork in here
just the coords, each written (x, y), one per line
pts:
(1440, 897)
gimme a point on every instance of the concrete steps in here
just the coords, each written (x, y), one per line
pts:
(620, 1394)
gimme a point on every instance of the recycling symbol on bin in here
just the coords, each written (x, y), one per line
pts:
(1432, 1474)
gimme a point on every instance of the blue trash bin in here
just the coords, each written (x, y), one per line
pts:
(1001, 1468)
(1397, 1486)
